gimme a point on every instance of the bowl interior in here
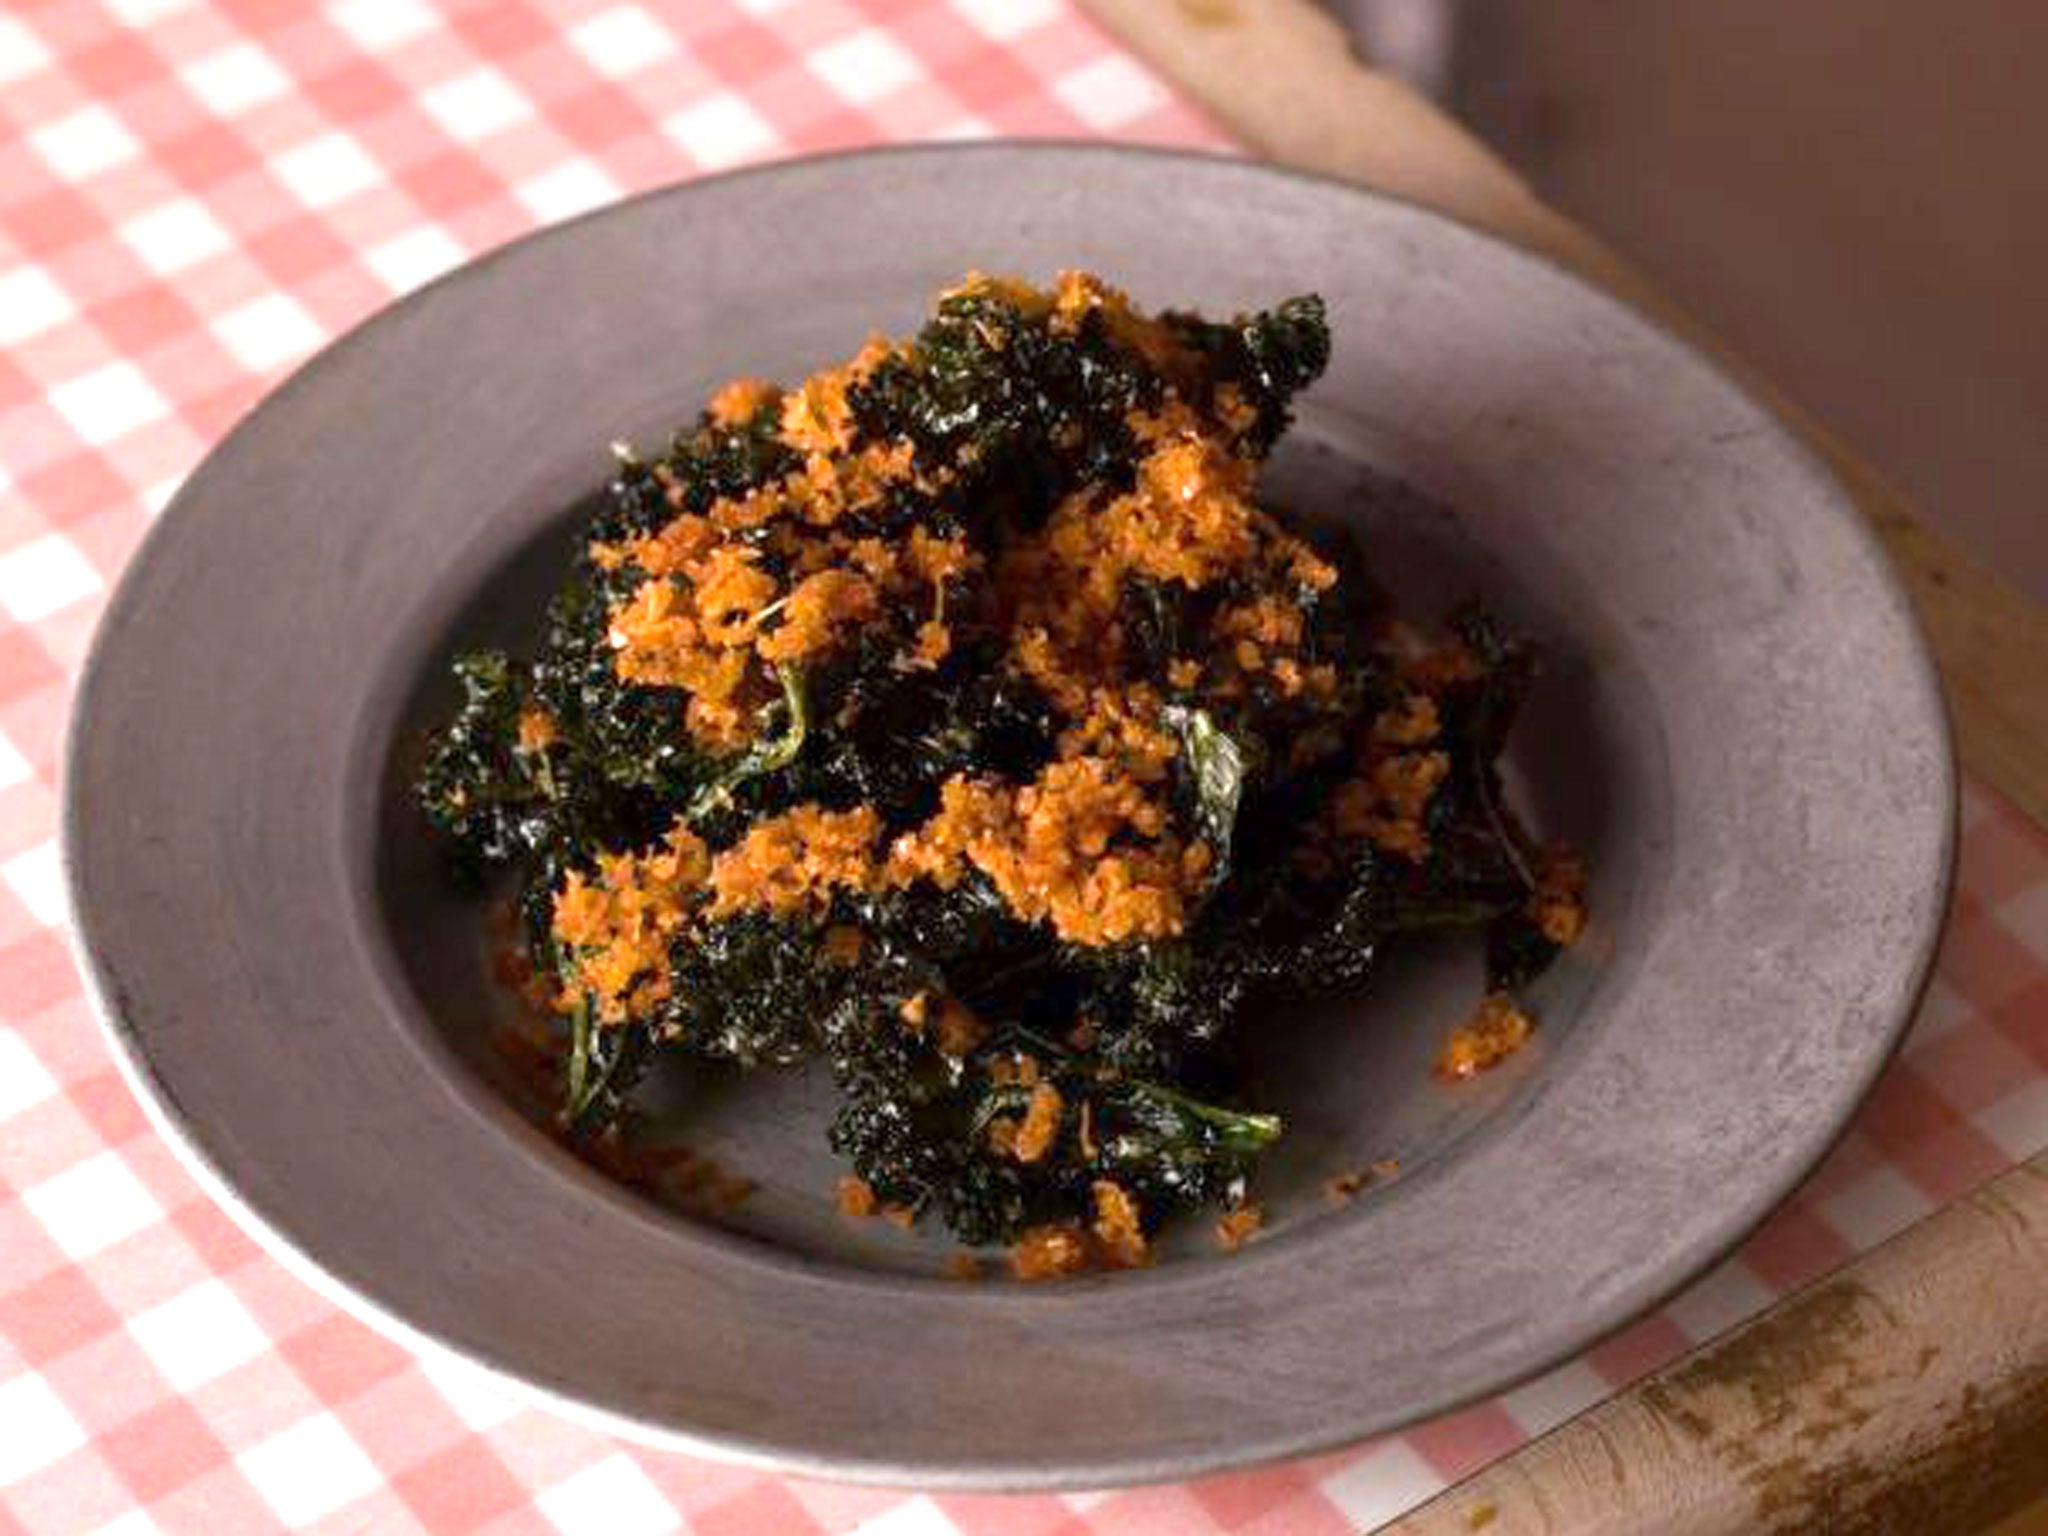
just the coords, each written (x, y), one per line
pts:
(1352, 1078)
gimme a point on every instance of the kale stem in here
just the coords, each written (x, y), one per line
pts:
(1044, 1045)
(581, 1087)
(1501, 835)
(1242, 1130)
(760, 758)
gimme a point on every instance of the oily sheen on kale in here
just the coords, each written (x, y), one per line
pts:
(960, 720)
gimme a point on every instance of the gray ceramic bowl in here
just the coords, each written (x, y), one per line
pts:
(1739, 726)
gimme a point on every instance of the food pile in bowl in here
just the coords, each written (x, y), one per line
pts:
(962, 719)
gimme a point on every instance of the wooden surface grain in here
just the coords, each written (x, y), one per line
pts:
(1907, 1393)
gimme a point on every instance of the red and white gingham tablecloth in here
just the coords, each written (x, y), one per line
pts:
(193, 198)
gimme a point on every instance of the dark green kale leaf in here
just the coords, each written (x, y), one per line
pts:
(699, 468)
(777, 748)
(1172, 1150)
(915, 1125)
(751, 989)
(628, 735)
(489, 800)
(1160, 1006)
(898, 734)
(1270, 356)
(605, 1061)
(1035, 412)
(1213, 767)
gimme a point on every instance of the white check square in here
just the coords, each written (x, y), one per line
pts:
(1541, 1405)
(14, 769)
(31, 303)
(175, 235)
(109, 402)
(92, 1205)
(198, 1335)
(568, 190)
(476, 105)
(1110, 92)
(381, 24)
(720, 131)
(328, 170)
(1003, 20)
(865, 67)
(158, 496)
(479, 1400)
(622, 41)
(235, 78)
(85, 143)
(914, 1517)
(2018, 1123)
(36, 876)
(269, 331)
(137, 13)
(310, 1470)
(1715, 1303)
(35, 1428)
(1875, 1207)
(1386, 1482)
(416, 257)
(612, 1498)
(24, 1081)
(21, 52)
(135, 1522)
(42, 576)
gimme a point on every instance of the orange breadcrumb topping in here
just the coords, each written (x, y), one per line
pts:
(618, 928)
(794, 862)
(1040, 1127)
(1047, 848)
(1049, 1252)
(854, 1196)
(1015, 1067)
(1496, 1031)
(1389, 800)
(736, 403)
(1558, 904)
(1413, 722)
(1343, 1188)
(1238, 1226)
(1444, 666)
(1118, 1233)
(1078, 295)
(958, 1031)
(537, 730)
(816, 415)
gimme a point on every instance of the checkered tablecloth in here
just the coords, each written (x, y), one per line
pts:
(193, 198)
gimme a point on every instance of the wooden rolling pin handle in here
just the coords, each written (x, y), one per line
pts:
(1907, 1394)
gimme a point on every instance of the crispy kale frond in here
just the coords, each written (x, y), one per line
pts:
(1023, 752)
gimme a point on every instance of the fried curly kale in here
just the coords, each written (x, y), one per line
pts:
(960, 720)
